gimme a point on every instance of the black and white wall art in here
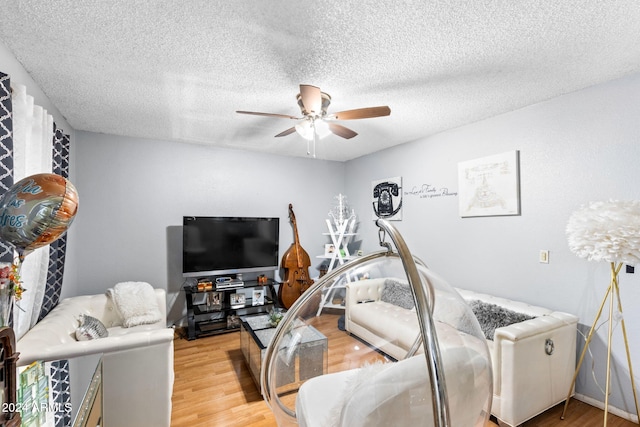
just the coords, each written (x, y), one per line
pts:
(387, 198)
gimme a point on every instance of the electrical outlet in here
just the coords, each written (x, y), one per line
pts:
(544, 256)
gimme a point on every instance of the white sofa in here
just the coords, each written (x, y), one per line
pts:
(527, 379)
(137, 362)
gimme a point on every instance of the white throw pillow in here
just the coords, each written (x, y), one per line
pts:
(136, 303)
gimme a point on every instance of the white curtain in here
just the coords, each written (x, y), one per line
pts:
(33, 151)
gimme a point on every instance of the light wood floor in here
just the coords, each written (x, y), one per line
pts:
(213, 386)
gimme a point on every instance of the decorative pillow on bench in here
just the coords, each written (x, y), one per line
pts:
(492, 317)
(397, 292)
(90, 328)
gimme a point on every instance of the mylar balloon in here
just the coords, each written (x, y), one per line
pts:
(36, 211)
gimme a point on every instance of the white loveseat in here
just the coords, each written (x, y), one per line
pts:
(533, 360)
(137, 362)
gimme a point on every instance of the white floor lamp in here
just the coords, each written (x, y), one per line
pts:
(607, 231)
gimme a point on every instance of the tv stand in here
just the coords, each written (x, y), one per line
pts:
(217, 309)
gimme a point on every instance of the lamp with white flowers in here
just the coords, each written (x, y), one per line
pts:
(607, 231)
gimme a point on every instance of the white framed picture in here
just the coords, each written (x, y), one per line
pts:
(237, 300)
(489, 186)
(329, 249)
(258, 296)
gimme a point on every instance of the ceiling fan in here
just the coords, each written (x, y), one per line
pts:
(315, 122)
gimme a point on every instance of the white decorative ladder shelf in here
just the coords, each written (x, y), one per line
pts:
(341, 235)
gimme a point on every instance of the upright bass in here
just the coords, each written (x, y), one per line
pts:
(295, 263)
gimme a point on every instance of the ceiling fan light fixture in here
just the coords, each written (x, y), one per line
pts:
(307, 127)
(322, 128)
(305, 130)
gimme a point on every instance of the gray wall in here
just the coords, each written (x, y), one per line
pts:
(134, 193)
(574, 149)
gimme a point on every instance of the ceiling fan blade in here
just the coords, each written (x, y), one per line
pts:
(311, 99)
(282, 116)
(341, 130)
(286, 132)
(362, 113)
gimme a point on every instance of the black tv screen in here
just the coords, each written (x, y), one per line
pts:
(228, 245)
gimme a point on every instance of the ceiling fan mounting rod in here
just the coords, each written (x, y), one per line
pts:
(314, 101)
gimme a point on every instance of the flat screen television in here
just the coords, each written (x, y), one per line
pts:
(229, 245)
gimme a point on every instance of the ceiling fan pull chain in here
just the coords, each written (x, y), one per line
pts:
(315, 136)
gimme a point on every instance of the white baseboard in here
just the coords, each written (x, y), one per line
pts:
(612, 409)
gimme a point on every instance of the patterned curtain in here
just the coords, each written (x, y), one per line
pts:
(6, 151)
(61, 392)
(46, 295)
(59, 165)
(58, 248)
(32, 153)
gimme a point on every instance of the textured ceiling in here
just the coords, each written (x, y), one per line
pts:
(179, 70)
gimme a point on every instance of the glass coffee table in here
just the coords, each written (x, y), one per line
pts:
(304, 358)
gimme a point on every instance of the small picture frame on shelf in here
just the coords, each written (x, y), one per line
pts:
(329, 249)
(258, 297)
(237, 300)
(214, 300)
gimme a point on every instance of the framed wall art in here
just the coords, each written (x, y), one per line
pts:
(490, 186)
(387, 198)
